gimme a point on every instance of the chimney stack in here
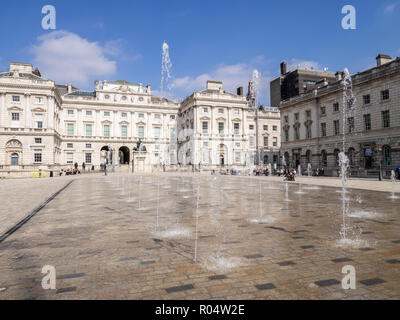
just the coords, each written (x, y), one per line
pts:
(69, 88)
(240, 91)
(149, 89)
(283, 68)
(382, 59)
(339, 76)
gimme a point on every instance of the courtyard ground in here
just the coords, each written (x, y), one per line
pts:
(198, 237)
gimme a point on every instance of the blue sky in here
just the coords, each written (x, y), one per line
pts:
(219, 40)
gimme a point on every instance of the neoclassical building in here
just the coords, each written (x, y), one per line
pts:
(313, 122)
(45, 126)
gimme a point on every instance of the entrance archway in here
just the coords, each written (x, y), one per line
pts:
(124, 155)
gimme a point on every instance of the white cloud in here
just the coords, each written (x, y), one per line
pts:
(66, 57)
(232, 76)
(390, 8)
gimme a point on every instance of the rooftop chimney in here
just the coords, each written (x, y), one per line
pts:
(339, 75)
(382, 59)
(69, 85)
(283, 68)
(240, 91)
(149, 89)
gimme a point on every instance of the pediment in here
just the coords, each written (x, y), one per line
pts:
(204, 118)
(221, 119)
(15, 108)
(237, 120)
(106, 122)
(124, 122)
(38, 109)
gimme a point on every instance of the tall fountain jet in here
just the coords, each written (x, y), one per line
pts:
(344, 163)
(166, 69)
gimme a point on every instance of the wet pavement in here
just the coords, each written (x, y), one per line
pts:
(199, 237)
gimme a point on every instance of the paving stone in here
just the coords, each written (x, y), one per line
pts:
(338, 260)
(66, 290)
(180, 288)
(219, 277)
(267, 286)
(327, 283)
(254, 256)
(286, 263)
(71, 276)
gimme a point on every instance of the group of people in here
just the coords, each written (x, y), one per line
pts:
(75, 170)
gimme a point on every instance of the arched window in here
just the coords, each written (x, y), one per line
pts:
(308, 156)
(351, 155)
(324, 157)
(387, 155)
(336, 153)
(14, 159)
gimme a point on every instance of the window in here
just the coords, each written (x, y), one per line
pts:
(37, 156)
(172, 134)
(236, 128)
(367, 99)
(386, 119)
(157, 116)
(89, 113)
(237, 144)
(367, 122)
(70, 145)
(323, 129)
(205, 127)
(107, 97)
(297, 133)
(124, 115)
(296, 117)
(38, 121)
(172, 117)
(70, 112)
(88, 158)
(205, 110)
(70, 158)
(265, 141)
(106, 114)
(220, 110)
(251, 127)
(106, 130)
(89, 129)
(286, 119)
(387, 155)
(336, 130)
(324, 156)
(88, 146)
(265, 128)
(237, 157)
(236, 111)
(38, 140)
(141, 115)
(308, 132)
(70, 129)
(350, 123)
(286, 135)
(323, 111)
(14, 120)
(124, 98)
(275, 128)
(141, 99)
(385, 95)
(141, 132)
(221, 127)
(124, 131)
(14, 159)
(275, 141)
(157, 132)
(336, 107)
(16, 99)
(39, 100)
(308, 114)
(251, 141)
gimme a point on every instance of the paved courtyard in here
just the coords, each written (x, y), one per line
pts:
(198, 237)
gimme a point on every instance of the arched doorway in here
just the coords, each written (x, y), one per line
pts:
(222, 155)
(265, 159)
(124, 155)
(308, 156)
(14, 152)
(286, 159)
(221, 160)
(336, 154)
(351, 156)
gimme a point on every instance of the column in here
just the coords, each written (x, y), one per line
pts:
(2, 110)
(50, 112)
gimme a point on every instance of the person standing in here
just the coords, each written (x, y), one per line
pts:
(83, 166)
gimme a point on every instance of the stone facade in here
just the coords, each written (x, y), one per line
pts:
(44, 126)
(312, 123)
